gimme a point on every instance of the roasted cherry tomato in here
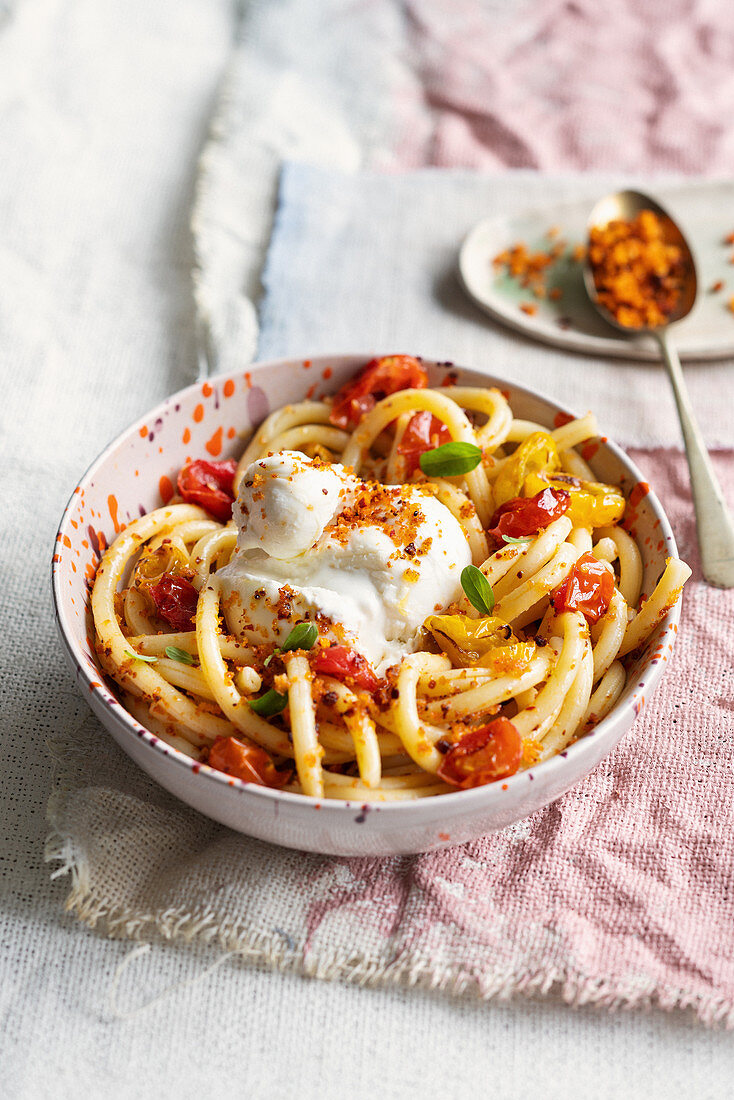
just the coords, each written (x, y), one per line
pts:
(525, 516)
(588, 588)
(210, 485)
(593, 504)
(175, 600)
(244, 761)
(378, 379)
(423, 433)
(346, 665)
(483, 756)
(536, 455)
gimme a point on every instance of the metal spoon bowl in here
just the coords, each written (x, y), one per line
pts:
(714, 522)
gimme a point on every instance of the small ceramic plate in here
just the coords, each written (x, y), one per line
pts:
(705, 213)
(136, 473)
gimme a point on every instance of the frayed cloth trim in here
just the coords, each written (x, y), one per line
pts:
(410, 970)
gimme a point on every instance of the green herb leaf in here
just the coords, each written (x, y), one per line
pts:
(302, 636)
(141, 657)
(177, 654)
(451, 459)
(509, 538)
(272, 702)
(478, 590)
(270, 656)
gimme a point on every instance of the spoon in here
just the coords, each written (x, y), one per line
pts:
(713, 520)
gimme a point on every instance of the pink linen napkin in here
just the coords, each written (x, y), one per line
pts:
(623, 891)
(558, 85)
(620, 893)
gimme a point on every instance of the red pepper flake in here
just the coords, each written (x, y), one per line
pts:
(716, 287)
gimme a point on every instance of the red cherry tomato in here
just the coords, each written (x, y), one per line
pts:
(423, 433)
(245, 761)
(483, 756)
(378, 379)
(210, 485)
(588, 588)
(175, 600)
(525, 516)
(346, 665)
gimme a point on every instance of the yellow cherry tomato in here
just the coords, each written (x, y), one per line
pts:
(488, 642)
(593, 504)
(538, 455)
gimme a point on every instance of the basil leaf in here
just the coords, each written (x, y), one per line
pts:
(451, 459)
(478, 590)
(272, 702)
(177, 654)
(141, 657)
(302, 636)
(509, 538)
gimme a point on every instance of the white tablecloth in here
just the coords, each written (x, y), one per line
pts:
(103, 110)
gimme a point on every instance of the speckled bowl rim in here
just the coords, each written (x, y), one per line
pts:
(478, 798)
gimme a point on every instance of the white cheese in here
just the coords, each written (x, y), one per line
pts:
(315, 541)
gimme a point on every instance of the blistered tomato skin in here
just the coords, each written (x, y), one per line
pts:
(210, 485)
(483, 756)
(244, 761)
(423, 433)
(346, 665)
(175, 600)
(378, 379)
(525, 516)
(588, 588)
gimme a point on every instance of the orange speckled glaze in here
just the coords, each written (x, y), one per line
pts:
(640, 490)
(198, 414)
(228, 388)
(214, 445)
(165, 488)
(113, 506)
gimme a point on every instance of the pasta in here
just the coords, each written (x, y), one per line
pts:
(526, 654)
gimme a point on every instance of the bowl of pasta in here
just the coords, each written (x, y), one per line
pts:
(365, 605)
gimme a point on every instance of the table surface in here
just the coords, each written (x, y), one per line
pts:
(103, 112)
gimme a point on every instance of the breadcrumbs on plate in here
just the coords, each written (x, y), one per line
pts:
(638, 275)
(716, 287)
(731, 303)
(529, 307)
(527, 267)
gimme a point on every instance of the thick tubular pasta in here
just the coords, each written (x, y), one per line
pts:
(362, 730)
(233, 705)
(138, 677)
(290, 416)
(486, 697)
(544, 581)
(465, 513)
(666, 593)
(442, 407)
(550, 699)
(574, 706)
(630, 562)
(611, 633)
(417, 737)
(366, 732)
(306, 747)
(533, 557)
(605, 696)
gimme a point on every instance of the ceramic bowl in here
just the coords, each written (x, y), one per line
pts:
(137, 471)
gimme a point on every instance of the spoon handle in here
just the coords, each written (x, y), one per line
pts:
(714, 522)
